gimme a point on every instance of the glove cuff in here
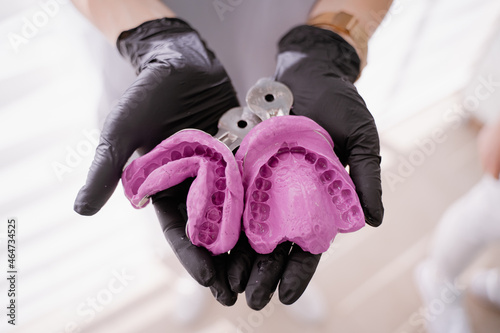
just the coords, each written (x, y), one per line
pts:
(322, 45)
(137, 44)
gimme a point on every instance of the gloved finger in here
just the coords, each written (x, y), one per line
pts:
(265, 275)
(170, 209)
(299, 270)
(364, 165)
(103, 176)
(240, 264)
(124, 131)
(117, 143)
(220, 288)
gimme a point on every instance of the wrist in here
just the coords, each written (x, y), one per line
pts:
(153, 39)
(321, 49)
(348, 27)
(112, 17)
(366, 17)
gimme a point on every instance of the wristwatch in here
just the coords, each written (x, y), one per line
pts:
(344, 24)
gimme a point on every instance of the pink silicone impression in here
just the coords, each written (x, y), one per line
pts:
(296, 189)
(215, 199)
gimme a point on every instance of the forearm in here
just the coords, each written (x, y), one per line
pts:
(112, 17)
(369, 13)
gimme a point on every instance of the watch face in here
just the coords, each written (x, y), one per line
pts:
(344, 20)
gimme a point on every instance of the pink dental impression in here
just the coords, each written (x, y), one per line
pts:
(296, 189)
(215, 199)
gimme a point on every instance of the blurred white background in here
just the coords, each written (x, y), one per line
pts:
(115, 273)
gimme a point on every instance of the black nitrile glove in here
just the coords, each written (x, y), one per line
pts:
(259, 274)
(180, 84)
(319, 67)
(209, 271)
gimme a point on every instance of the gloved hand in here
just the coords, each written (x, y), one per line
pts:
(180, 84)
(209, 271)
(319, 67)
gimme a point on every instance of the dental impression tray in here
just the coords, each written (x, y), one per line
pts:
(285, 180)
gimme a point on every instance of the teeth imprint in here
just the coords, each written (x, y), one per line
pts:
(220, 184)
(311, 158)
(199, 150)
(175, 155)
(273, 162)
(265, 171)
(298, 151)
(188, 151)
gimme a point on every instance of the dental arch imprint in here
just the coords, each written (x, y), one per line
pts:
(285, 172)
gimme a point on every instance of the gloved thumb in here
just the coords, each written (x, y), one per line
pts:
(364, 169)
(103, 177)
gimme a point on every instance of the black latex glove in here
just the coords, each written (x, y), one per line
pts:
(319, 67)
(180, 84)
